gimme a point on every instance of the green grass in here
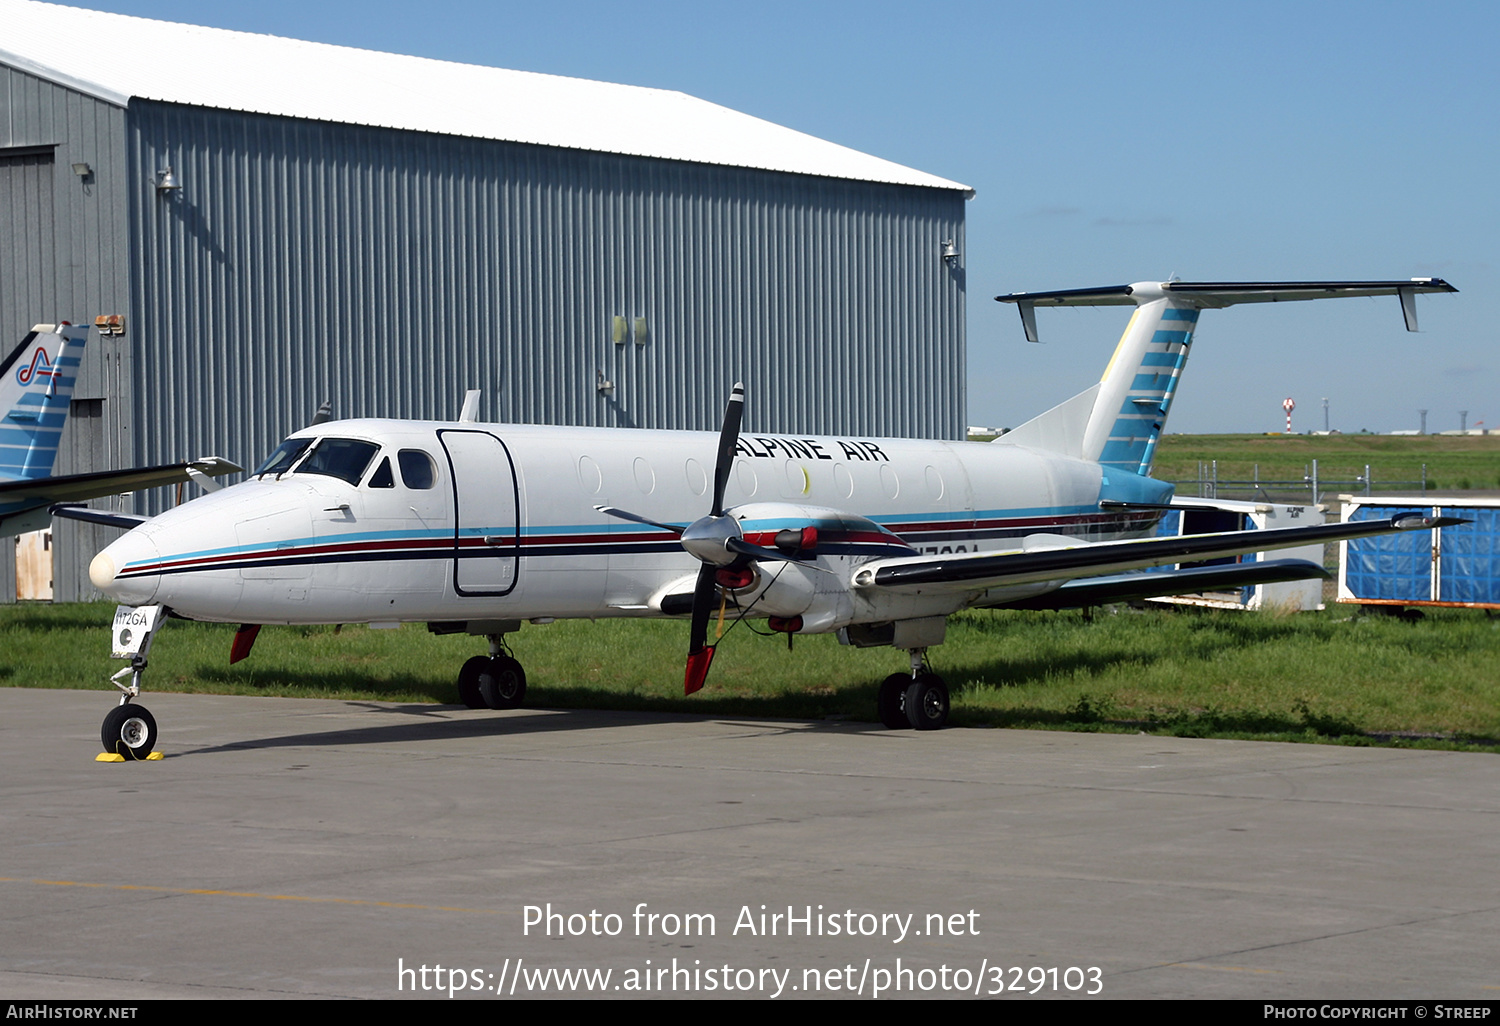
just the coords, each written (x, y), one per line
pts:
(1332, 676)
(1454, 462)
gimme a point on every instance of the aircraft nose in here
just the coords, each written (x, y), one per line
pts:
(121, 570)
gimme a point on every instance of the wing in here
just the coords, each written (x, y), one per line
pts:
(1096, 591)
(108, 518)
(1050, 558)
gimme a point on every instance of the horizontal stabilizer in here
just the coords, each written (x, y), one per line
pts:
(1094, 591)
(1216, 294)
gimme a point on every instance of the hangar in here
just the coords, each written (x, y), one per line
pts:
(282, 222)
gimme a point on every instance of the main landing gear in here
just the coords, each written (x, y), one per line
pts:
(917, 699)
(496, 681)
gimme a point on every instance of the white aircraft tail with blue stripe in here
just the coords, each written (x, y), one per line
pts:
(1139, 383)
(1119, 421)
(36, 387)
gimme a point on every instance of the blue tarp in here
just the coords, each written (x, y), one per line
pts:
(1394, 567)
(1470, 570)
(1398, 567)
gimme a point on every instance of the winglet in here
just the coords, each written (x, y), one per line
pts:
(1408, 307)
(1028, 319)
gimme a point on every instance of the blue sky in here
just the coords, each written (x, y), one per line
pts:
(1107, 143)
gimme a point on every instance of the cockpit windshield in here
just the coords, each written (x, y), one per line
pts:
(280, 461)
(343, 458)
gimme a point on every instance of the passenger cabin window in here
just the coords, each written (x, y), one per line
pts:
(382, 478)
(280, 461)
(343, 458)
(417, 469)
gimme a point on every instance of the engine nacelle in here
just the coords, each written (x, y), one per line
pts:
(826, 545)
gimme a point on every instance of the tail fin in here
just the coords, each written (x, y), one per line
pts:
(1139, 382)
(36, 386)
(1122, 425)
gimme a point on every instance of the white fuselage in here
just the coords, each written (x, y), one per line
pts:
(505, 525)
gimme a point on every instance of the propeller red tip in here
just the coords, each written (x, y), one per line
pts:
(697, 669)
(244, 640)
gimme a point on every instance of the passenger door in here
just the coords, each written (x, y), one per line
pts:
(486, 500)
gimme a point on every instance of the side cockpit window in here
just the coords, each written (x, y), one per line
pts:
(417, 469)
(343, 458)
(287, 453)
(382, 478)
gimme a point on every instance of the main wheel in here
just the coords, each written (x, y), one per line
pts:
(927, 702)
(129, 730)
(502, 684)
(891, 702)
(468, 682)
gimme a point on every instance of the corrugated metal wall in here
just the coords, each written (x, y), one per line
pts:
(389, 271)
(63, 256)
(392, 270)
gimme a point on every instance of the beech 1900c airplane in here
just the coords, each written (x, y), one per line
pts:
(475, 527)
(36, 391)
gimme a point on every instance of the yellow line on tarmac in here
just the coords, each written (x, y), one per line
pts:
(246, 894)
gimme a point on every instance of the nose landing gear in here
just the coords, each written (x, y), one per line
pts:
(129, 731)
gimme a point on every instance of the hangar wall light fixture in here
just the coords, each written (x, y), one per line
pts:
(950, 252)
(82, 170)
(166, 181)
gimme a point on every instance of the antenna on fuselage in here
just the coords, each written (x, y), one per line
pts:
(324, 414)
(470, 413)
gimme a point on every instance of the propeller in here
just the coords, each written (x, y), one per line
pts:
(716, 540)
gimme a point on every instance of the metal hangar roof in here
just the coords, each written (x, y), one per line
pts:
(117, 58)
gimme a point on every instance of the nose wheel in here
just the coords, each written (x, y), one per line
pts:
(129, 731)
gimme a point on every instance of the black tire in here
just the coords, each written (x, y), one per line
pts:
(891, 702)
(502, 684)
(927, 702)
(129, 730)
(468, 682)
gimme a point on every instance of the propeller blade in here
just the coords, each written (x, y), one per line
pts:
(729, 437)
(623, 514)
(700, 654)
(244, 640)
(714, 526)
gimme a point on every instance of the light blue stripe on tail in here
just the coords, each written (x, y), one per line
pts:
(36, 390)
